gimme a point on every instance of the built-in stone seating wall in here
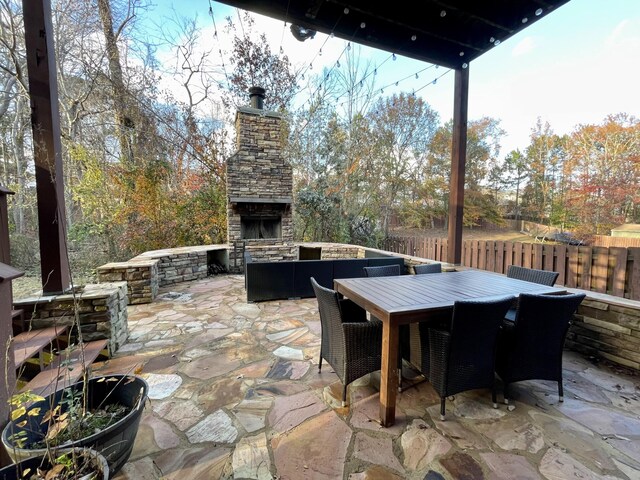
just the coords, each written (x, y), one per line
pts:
(605, 326)
(608, 327)
(102, 312)
(141, 276)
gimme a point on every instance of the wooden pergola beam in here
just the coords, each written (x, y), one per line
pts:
(458, 161)
(47, 145)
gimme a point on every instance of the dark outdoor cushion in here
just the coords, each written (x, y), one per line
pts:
(321, 270)
(269, 280)
(349, 268)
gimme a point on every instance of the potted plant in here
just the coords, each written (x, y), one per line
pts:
(66, 464)
(102, 413)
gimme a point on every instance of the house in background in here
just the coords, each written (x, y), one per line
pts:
(626, 230)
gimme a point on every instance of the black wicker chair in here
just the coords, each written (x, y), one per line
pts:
(464, 358)
(531, 347)
(350, 344)
(543, 277)
(418, 337)
(382, 271)
(428, 268)
(392, 271)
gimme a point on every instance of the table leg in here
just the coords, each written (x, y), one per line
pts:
(389, 373)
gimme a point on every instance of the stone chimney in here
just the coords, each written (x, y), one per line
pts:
(259, 180)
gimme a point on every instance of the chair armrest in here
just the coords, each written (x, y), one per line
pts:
(352, 312)
(365, 337)
(438, 359)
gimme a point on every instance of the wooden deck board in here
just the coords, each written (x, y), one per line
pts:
(66, 369)
(28, 344)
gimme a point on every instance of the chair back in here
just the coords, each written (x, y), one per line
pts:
(428, 268)
(330, 318)
(543, 277)
(382, 271)
(474, 333)
(541, 325)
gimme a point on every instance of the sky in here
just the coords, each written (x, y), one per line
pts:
(574, 66)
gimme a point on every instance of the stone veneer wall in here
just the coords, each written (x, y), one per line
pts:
(182, 264)
(258, 170)
(608, 327)
(272, 253)
(102, 312)
(141, 276)
(332, 251)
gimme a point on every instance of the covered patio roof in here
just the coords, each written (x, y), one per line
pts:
(448, 33)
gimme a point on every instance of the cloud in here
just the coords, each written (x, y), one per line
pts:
(523, 47)
(625, 34)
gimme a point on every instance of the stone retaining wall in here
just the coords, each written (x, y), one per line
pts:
(608, 327)
(102, 312)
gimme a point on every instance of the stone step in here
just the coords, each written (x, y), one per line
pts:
(67, 368)
(28, 344)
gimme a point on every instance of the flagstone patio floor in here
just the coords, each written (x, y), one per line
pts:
(235, 393)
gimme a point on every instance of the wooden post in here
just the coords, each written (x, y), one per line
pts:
(45, 123)
(458, 161)
(8, 384)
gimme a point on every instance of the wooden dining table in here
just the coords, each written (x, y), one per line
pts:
(405, 299)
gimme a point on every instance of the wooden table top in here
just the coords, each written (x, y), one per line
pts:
(403, 297)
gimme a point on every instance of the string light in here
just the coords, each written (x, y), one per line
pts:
(215, 34)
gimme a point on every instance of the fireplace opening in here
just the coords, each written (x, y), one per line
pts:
(255, 228)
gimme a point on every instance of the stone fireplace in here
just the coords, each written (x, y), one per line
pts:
(259, 181)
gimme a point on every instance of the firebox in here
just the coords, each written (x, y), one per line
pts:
(253, 228)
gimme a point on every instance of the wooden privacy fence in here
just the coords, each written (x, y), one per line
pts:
(607, 241)
(612, 270)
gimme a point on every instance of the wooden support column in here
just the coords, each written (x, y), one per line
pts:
(45, 123)
(458, 160)
(8, 384)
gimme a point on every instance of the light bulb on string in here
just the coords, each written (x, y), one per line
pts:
(349, 46)
(435, 80)
(417, 76)
(338, 64)
(393, 57)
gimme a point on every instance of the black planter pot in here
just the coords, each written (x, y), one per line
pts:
(97, 461)
(114, 442)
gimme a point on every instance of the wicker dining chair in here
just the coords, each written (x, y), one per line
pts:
(418, 347)
(464, 358)
(428, 268)
(392, 271)
(349, 343)
(543, 277)
(531, 347)
(382, 271)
